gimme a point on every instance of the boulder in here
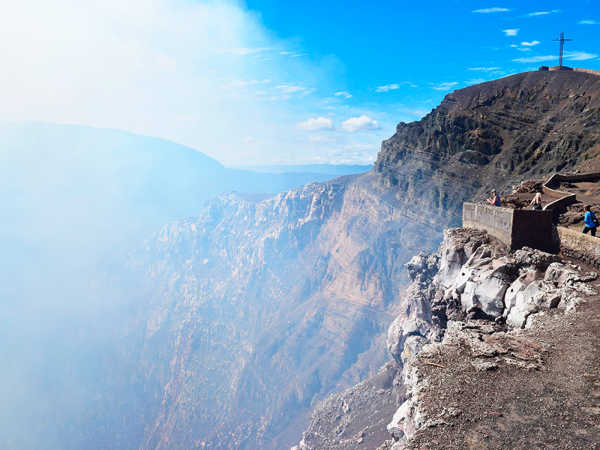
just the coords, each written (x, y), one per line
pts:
(458, 246)
(533, 298)
(407, 331)
(535, 258)
(422, 267)
(524, 280)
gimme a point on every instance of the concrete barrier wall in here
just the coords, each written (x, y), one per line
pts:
(534, 229)
(514, 227)
(564, 198)
(578, 245)
(496, 221)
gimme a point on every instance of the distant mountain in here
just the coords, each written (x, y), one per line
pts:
(80, 175)
(332, 170)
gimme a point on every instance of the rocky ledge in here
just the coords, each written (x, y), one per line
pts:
(487, 342)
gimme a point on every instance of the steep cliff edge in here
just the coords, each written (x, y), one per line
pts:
(261, 309)
(461, 376)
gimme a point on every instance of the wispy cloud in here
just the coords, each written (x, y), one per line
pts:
(475, 81)
(580, 56)
(344, 94)
(247, 83)
(495, 9)
(243, 51)
(291, 54)
(294, 89)
(535, 59)
(543, 13)
(445, 86)
(588, 22)
(394, 86)
(387, 87)
(316, 124)
(511, 31)
(484, 69)
(361, 123)
(530, 43)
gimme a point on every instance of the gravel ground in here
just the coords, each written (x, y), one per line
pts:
(554, 406)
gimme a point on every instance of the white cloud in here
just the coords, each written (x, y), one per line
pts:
(530, 43)
(361, 123)
(246, 83)
(495, 9)
(543, 13)
(394, 86)
(571, 56)
(445, 86)
(316, 124)
(293, 89)
(535, 59)
(484, 69)
(244, 51)
(580, 56)
(511, 31)
(387, 87)
(291, 54)
(475, 81)
(587, 22)
(344, 94)
(180, 70)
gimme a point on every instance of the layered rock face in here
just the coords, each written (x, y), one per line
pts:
(493, 134)
(261, 308)
(258, 310)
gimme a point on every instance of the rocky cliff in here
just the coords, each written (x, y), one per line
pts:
(258, 310)
(261, 308)
(493, 134)
(476, 324)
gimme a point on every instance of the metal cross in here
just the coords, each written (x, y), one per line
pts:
(562, 41)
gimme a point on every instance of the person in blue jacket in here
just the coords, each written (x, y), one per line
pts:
(590, 221)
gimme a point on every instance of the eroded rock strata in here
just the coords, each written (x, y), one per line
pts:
(257, 310)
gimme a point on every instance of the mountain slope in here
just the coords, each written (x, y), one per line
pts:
(296, 291)
(493, 134)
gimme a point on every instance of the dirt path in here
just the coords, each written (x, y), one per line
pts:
(556, 406)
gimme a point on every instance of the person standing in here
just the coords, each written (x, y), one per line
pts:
(536, 203)
(590, 221)
(494, 199)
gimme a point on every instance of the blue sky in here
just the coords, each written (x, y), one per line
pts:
(266, 81)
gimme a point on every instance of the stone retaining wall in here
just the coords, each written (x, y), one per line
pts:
(496, 221)
(514, 227)
(578, 245)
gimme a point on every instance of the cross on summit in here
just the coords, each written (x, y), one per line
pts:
(562, 41)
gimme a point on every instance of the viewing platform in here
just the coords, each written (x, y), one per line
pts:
(517, 228)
